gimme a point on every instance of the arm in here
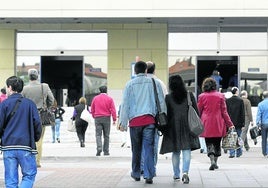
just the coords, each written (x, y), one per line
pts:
(36, 123)
(113, 111)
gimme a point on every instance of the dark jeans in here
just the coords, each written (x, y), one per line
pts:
(103, 125)
(143, 137)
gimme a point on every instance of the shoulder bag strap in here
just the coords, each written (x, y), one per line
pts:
(12, 112)
(189, 99)
(156, 97)
(44, 104)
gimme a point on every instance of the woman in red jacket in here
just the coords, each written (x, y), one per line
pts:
(214, 115)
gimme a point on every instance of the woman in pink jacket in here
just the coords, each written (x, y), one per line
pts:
(214, 115)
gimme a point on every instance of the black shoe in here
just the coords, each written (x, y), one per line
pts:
(239, 155)
(216, 167)
(142, 172)
(201, 150)
(212, 167)
(149, 181)
(107, 154)
(231, 156)
(82, 144)
(58, 140)
(135, 178)
(123, 144)
(225, 150)
(98, 153)
(185, 178)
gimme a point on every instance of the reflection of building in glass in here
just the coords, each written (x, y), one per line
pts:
(185, 69)
(93, 79)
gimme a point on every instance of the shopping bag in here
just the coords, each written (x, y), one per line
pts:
(230, 141)
(71, 126)
(85, 115)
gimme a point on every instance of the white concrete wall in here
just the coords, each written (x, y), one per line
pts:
(137, 8)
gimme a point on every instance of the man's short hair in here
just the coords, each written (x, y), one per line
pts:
(33, 74)
(103, 89)
(234, 90)
(16, 83)
(140, 67)
(150, 67)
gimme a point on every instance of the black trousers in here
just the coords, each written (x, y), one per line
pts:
(213, 146)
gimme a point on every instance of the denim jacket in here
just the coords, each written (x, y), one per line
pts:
(262, 113)
(138, 99)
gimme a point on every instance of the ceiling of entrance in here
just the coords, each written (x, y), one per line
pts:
(180, 24)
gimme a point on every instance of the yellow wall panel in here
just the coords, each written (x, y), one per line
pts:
(117, 79)
(152, 39)
(115, 59)
(119, 39)
(7, 59)
(7, 39)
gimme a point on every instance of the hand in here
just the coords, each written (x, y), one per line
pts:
(121, 128)
(251, 123)
(114, 122)
(232, 127)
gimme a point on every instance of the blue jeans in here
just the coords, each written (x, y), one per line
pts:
(239, 150)
(26, 160)
(142, 137)
(186, 159)
(56, 130)
(156, 141)
(264, 134)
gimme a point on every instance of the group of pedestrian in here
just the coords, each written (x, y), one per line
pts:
(137, 115)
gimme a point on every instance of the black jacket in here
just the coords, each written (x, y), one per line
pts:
(235, 108)
(177, 136)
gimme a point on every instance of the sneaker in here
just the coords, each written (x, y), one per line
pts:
(98, 153)
(149, 181)
(185, 178)
(176, 178)
(231, 156)
(106, 154)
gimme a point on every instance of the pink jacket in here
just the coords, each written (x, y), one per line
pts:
(213, 113)
(3, 97)
(103, 105)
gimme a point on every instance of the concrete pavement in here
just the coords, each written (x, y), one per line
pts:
(66, 165)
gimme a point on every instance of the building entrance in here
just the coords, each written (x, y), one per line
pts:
(64, 74)
(226, 66)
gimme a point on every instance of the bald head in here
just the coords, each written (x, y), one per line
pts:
(150, 67)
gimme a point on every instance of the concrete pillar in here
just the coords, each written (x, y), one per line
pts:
(7, 55)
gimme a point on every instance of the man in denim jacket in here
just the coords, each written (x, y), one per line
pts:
(139, 109)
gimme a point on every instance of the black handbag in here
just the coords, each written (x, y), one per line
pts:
(47, 116)
(161, 117)
(255, 132)
(195, 124)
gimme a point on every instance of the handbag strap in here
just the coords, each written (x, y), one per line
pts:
(44, 104)
(12, 112)
(156, 97)
(189, 99)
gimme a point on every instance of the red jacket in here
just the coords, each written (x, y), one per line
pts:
(213, 113)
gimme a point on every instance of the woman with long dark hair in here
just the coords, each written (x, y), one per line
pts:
(177, 138)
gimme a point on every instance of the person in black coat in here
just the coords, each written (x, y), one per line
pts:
(177, 138)
(80, 124)
(236, 111)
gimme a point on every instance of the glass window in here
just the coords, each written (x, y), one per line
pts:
(192, 41)
(62, 41)
(243, 41)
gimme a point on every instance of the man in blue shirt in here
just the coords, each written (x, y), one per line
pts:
(20, 128)
(262, 121)
(139, 109)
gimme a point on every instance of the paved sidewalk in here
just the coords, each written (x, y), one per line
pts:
(66, 165)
